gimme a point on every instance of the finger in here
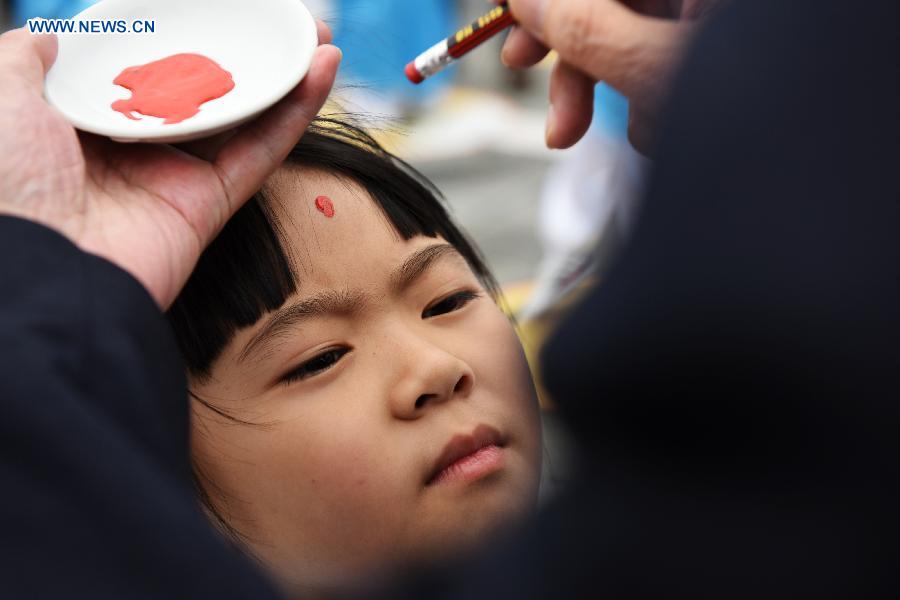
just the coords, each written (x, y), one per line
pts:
(571, 105)
(522, 50)
(587, 34)
(254, 153)
(208, 148)
(27, 56)
(324, 31)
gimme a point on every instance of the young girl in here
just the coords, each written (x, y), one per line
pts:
(360, 400)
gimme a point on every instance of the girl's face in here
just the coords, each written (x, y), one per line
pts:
(389, 363)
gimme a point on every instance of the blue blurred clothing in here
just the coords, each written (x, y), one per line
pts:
(610, 112)
(23, 10)
(379, 38)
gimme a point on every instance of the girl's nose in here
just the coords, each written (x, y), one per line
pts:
(431, 376)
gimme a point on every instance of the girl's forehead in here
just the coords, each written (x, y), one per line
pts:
(312, 198)
(290, 184)
(325, 219)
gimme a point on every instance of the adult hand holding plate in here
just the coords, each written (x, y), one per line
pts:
(149, 208)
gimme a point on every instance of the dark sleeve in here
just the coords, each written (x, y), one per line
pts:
(736, 378)
(734, 382)
(96, 495)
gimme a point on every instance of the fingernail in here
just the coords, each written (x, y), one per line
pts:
(340, 54)
(551, 122)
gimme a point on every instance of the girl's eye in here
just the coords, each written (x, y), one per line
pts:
(316, 365)
(450, 303)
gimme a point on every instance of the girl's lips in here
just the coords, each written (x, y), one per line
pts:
(472, 467)
(469, 457)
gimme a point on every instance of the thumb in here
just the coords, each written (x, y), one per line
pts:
(590, 35)
(27, 56)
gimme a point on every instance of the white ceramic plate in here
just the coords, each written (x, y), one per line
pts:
(266, 45)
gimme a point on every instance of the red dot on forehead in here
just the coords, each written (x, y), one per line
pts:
(324, 206)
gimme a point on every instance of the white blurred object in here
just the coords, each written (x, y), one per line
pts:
(588, 197)
(465, 121)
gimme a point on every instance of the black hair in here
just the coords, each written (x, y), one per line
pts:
(246, 272)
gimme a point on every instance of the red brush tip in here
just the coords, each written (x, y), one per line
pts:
(413, 74)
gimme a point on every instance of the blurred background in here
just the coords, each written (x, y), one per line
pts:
(546, 221)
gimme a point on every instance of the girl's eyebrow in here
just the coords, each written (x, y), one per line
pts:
(279, 324)
(419, 262)
(345, 302)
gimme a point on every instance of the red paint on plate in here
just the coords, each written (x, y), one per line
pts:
(172, 88)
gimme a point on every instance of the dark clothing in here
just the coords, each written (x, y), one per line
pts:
(743, 407)
(733, 382)
(95, 488)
